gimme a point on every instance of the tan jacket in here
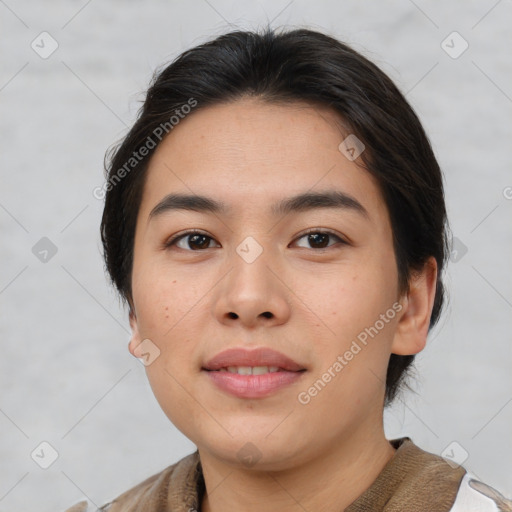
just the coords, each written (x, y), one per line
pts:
(412, 481)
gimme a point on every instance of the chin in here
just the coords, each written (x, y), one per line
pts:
(253, 450)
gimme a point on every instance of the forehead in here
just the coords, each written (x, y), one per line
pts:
(250, 154)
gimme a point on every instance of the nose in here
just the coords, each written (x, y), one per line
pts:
(251, 295)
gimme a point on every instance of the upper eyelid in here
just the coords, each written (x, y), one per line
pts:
(319, 230)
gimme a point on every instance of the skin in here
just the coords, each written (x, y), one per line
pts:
(249, 154)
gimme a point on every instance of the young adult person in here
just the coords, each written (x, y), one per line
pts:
(275, 220)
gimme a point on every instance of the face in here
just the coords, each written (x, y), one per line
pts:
(222, 287)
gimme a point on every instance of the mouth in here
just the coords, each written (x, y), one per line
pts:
(253, 373)
(250, 370)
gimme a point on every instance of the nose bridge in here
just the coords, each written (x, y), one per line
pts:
(251, 280)
(251, 291)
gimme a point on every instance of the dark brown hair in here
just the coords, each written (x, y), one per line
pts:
(298, 65)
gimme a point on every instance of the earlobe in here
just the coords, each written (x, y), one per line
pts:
(135, 338)
(412, 329)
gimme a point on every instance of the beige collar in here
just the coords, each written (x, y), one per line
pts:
(412, 480)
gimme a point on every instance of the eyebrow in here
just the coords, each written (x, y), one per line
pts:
(298, 203)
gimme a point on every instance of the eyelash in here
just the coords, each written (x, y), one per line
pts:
(172, 241)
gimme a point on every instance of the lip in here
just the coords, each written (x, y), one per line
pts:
(253, 386)
(262, 356)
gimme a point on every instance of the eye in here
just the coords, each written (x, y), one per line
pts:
(191, 241)
(319, 239)
(196, 240)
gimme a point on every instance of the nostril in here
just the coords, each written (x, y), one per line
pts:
(232, 315)
(267, 314)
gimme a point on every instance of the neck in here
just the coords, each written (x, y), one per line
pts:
(330, 481)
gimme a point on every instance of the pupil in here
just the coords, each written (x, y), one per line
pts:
(317, 238)
(194, 241)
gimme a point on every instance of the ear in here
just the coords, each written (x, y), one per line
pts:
(412, 328)
(135, 340)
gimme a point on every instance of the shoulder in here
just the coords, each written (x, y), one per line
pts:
(177, 480)
(464, 491)
(475, 496)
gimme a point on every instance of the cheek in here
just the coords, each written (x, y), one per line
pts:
(351, 299)
(161, 299)
(350, 303)
(166, 315)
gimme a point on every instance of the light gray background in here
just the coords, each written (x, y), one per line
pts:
(66, 376)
